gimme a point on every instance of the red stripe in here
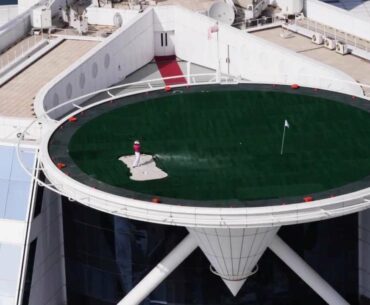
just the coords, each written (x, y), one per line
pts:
(168, 67)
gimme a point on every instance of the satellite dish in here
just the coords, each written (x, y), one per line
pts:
(117, 20)
(291, 7)
(222, 12)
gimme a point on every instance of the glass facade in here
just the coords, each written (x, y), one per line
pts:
(29, 272)
(8, 2)
(106, 256)
(39, 195)
(15, 183)
(15, 192)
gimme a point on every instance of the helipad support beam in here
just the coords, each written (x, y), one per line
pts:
(233, 253)
(160, 272)
(306, 273)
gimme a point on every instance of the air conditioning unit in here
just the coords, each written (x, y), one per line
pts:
(317, 38)
(41, 18)
(341, 48)
(329, 43)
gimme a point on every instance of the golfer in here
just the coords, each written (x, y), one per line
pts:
(137, 153)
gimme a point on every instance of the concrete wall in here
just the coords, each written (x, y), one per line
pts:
(364, 254)
(18, 27)
(252, 57)
(339, 18)
(55, 5)
(128, 49)
(14, 30)
(48, 278)
(164, 21)
(105, 16)
(24, 5)
(7, 13)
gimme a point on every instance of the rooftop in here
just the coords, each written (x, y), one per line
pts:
(17, 95)
(356, 67)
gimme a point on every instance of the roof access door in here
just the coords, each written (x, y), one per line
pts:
(164, 43)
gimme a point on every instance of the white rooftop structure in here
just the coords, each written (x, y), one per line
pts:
(64, 74)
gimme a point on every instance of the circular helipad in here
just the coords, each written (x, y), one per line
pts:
(221, 146)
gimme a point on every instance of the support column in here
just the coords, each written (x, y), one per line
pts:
(233, 253)
(306, 273)
(188, 72)
(160, 272)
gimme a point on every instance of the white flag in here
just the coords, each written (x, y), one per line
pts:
(286, 124)
(212, 29)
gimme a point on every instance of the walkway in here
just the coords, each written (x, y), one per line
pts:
(168, 67)
(17, 95)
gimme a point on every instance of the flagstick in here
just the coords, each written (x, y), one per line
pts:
(282, 141)
(218, 57)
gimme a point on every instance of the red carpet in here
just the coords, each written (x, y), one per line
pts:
(168, 67)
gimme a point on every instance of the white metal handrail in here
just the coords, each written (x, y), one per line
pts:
(179, 215)
(331, 32)
(78, 108)
(192, 81)
(19, 50)
(147, 84)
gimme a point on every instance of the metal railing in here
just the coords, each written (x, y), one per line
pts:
(179, 215)
(19, 50)
(206, 78)
(255, 23)
(123, 90)
(331, 32)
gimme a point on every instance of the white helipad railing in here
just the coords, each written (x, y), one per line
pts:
(188, 216)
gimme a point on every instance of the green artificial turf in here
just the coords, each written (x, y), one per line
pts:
(226, 145)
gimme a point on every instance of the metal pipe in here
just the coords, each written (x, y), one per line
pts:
(306, 273)
(160, 272)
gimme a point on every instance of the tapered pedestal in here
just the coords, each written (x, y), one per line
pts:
(233, 253)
